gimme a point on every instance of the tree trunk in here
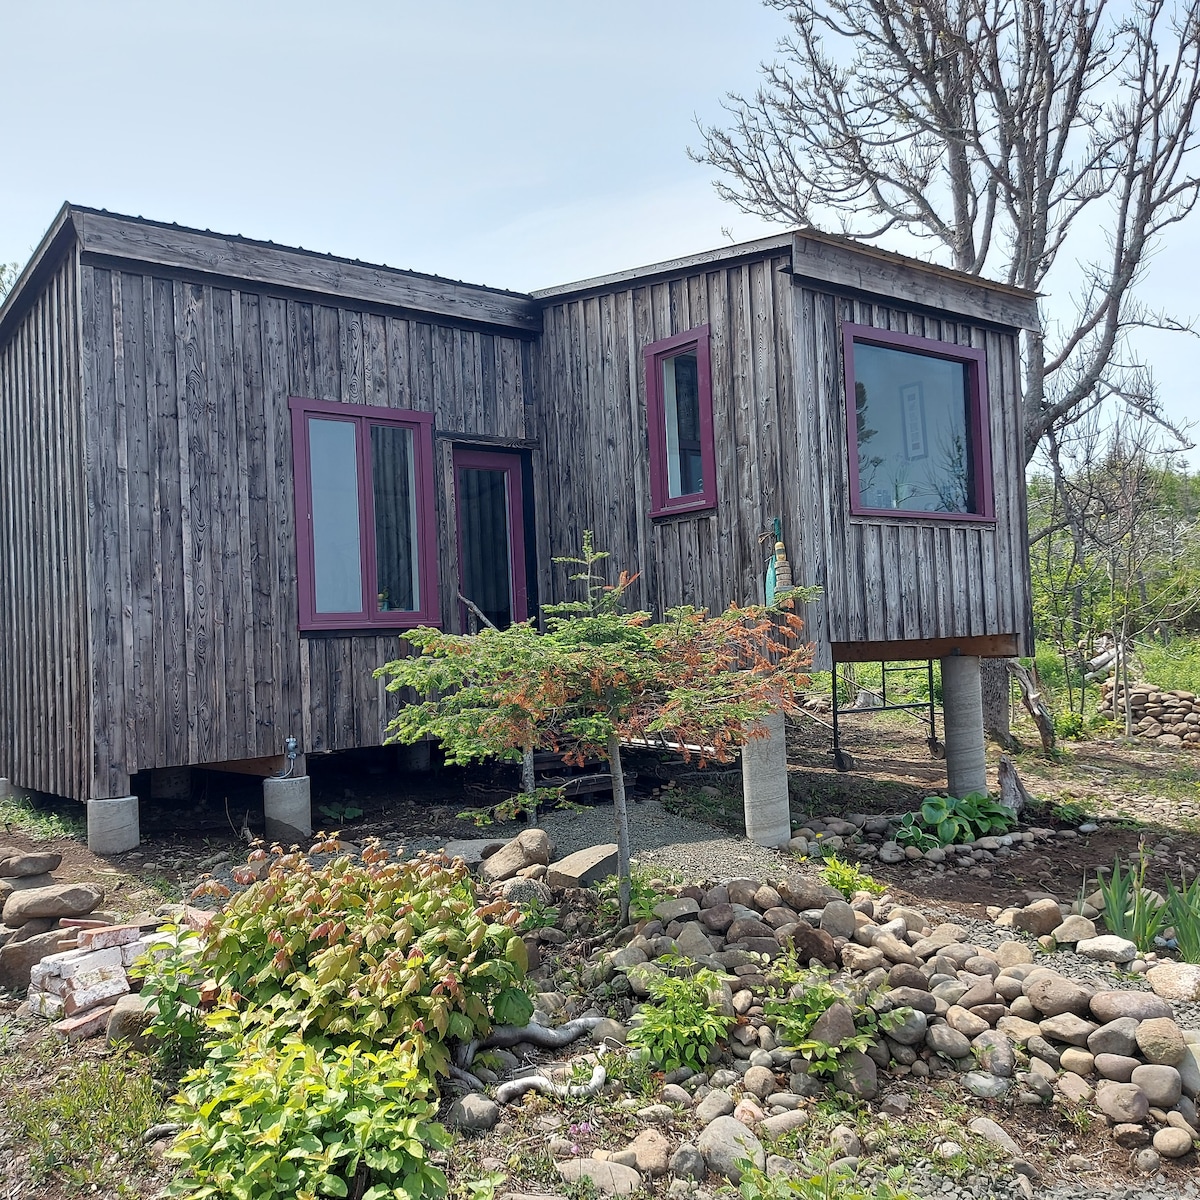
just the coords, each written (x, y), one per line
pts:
(1031, 697)
(621, 817)
(1012, 791)
(997, 702)
(529, 782)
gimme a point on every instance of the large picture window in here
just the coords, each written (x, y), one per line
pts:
(916, 413)
(365, 537)
(679, 411)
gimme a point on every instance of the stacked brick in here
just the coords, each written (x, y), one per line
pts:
(1168, 718)
(78, 988)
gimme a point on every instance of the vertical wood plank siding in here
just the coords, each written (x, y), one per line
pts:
(781, 450)
(193, 531)
(45, 736)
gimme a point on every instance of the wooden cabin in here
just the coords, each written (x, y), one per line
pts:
(231, 473)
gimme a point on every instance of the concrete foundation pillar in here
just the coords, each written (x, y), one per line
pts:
(765, 785)
(5, 789)
(962, 702)
(171, 783)
(112, 825)
(413, 756)
(287, 806)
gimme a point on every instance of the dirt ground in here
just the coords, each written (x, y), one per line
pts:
(1134, 794)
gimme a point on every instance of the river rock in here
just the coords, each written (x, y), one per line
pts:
(1172, 1143)
(726, 1140)
(1117, 1067)
(687, 1162)
(1123, 1103)
(1160, 1041)
(25, 865)
(1107, 948)
(837, 919)
(1038, 918)
(1161, 1084)
(1175, 981)
(1053, 995)
(652, 1152)
(1140, 1006)
(718, 1103)
(1116, 1037)
(57, 900)
(609, 1178)
(857, 1075)
(473, 1112)
(801, 891)
(947, 1042)
(1073, 929)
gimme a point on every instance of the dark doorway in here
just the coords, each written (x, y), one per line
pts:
(491, 536)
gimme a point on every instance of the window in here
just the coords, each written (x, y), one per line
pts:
(916, 416)
(679, 410)
(365, 536)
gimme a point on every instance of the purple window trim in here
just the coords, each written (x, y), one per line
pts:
(977, 423)
(661, 503)
(363, 417)
(510, 465)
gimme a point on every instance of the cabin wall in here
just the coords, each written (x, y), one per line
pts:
(44, 658)
(905, 578)
(594, 431)
(194, 599)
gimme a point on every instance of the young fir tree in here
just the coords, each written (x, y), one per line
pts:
(600, 676)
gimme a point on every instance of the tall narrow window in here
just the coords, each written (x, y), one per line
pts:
(365, 541)
(679, 411)
(916, 412)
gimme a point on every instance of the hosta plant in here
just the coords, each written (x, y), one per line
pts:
(946, 821)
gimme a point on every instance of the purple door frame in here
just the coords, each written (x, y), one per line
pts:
(509, 464)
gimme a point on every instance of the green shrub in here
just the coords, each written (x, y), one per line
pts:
(391, 953)
(945, 821)
(680, 1025)
(848, 878)
(171, 977)
(295, 1118)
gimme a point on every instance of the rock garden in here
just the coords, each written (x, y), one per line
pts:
(803, 1028)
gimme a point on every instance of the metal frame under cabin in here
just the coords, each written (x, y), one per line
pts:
(148, 526)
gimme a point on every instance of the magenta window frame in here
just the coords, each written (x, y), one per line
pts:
(510, 465)
(975, 360)
(363, 416)
(655, 354)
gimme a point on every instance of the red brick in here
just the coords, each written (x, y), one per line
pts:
(109, 935)
(87, 1025)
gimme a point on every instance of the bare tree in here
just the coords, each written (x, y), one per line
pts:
(1008, 134)
(8, 276)
(1013, 136)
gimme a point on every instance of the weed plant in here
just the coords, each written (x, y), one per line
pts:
(84, 1133)
(848, 878)
(42, 822)
(645, 894)
(681, 1025)
(817, 1179)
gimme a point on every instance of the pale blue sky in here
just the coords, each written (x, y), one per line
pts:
(517, 144)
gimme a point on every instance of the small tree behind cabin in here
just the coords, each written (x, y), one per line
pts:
(600, 676)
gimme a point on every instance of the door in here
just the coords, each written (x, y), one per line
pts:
(491, 536)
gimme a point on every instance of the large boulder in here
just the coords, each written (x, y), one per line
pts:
(528, 848)
(584, 867)
(24, 866)
(18, 958)
(57, 900)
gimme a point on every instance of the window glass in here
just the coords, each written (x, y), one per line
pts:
(912, 414)
(394, 490)
(333, 465)
(681, 411)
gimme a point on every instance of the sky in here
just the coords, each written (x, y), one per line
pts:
(517, 144)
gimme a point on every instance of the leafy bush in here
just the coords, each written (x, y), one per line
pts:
(306, 1119)
(393, 953)
(809, 997)
(680, 1025)
(171, 976)
(848, 878)
(945, 821)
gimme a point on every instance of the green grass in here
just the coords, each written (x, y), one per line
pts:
(43, 820)
(84, 1132)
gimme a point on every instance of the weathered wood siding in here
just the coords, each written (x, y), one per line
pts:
(595, 436)
(781, 450)
(193, 602)
(44, 656)
(904, 578)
